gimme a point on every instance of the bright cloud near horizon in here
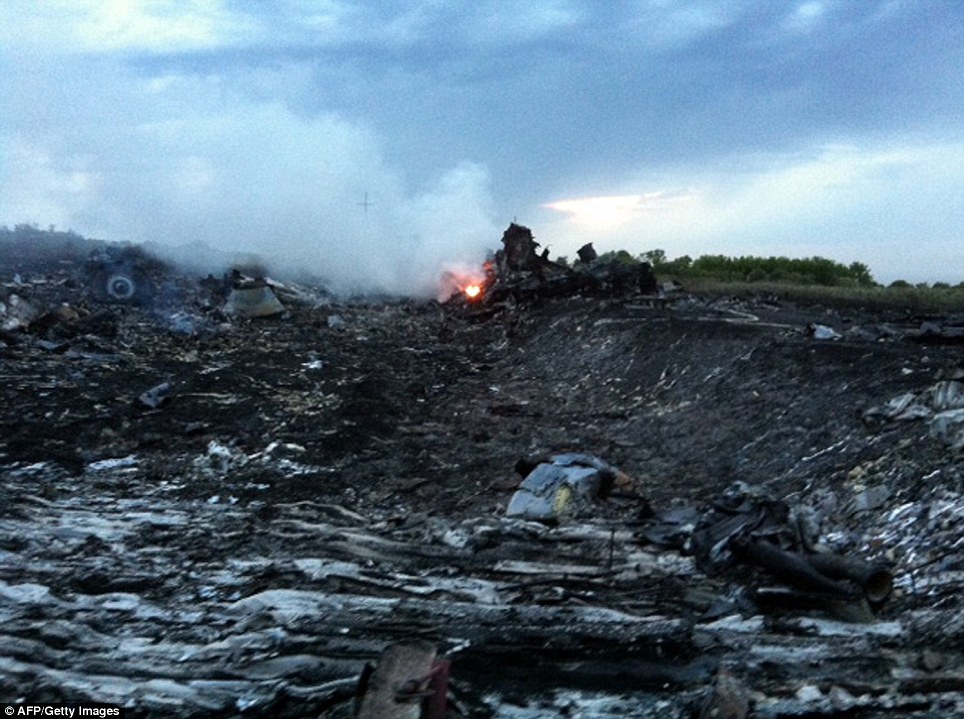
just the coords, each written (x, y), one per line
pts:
(380, 142)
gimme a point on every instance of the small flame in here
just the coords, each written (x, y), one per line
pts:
(472, 291)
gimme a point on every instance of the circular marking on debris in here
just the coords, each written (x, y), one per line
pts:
(121, 287)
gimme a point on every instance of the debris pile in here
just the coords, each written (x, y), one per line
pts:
(941, 404)
(519, 273)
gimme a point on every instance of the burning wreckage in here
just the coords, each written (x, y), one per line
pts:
(519, 272)
(241, 498)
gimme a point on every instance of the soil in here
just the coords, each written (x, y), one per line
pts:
(404, 420)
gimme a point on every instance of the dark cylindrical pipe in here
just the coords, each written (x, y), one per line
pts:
(876, 581)
(793, 568)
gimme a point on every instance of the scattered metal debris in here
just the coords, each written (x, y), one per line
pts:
(946, 330)
(156, 397)
(16, 313)
(941, 404)
(315, 492)
(563, 485)
(822, 332)
(253, 298)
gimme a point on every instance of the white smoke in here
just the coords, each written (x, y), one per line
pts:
(310, 195)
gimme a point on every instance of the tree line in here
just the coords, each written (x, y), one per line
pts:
(799, 271)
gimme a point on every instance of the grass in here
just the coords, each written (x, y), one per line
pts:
(905, 300)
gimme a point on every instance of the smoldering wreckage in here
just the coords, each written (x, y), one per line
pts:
(574, 494)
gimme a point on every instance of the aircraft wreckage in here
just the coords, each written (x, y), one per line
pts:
(559, 498)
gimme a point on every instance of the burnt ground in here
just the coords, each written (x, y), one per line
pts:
(317, 485)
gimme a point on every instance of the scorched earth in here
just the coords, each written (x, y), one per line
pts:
(207, 515)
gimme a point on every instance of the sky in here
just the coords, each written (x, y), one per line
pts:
(381, 142)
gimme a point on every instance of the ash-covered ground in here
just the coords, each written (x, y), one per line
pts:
(295, 493)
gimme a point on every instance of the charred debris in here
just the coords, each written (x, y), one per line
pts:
(519, 272)
(574, 494)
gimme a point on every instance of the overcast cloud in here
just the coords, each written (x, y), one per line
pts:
(823, 127)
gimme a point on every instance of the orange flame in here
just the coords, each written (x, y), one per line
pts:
(472, 291)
